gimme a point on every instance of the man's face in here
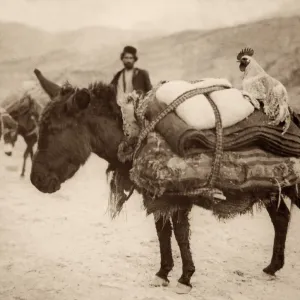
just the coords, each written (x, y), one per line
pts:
(128, 60)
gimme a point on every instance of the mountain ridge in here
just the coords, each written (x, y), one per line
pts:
(188, 55)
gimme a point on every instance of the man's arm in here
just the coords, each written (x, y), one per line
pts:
(115, 79)
(148, 85)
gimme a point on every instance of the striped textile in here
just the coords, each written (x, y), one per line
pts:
(254, 131)
(158, 169)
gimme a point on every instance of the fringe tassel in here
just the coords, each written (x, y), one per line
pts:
(279, 193)
(117, 196)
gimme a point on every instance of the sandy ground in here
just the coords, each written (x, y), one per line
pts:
(65, 247)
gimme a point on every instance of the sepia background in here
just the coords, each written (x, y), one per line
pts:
(64, 246)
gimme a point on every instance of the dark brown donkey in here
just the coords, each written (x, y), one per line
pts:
(26, 113)
(8, 129)
(78, 122)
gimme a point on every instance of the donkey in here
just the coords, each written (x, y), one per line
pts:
(78, 122)
(26, 116)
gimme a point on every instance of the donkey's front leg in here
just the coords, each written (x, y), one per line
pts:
(31, 153)
(181, 226)
(280, 218)
(164, 233)
(25, 156)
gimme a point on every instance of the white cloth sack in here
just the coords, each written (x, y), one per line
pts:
(197, 111)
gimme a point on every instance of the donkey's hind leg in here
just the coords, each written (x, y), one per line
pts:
(31, 153)
(181, 226)
(164, 233)
(280, 217)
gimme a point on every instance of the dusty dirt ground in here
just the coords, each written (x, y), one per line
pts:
(65, 247)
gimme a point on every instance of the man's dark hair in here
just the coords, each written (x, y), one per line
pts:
(131, 50)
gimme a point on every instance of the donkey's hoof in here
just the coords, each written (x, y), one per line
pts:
(182, 288)
(267, 277)
(269, 270)
(22, 175)
(158, 281)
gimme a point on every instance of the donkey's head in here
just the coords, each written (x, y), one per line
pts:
(8, 129)
(9, 137)
(75, 123)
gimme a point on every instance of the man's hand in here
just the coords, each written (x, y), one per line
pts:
(134, 97)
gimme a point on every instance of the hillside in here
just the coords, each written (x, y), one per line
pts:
(187, 55)
(213, 53)
(23, 47)
(19, 41)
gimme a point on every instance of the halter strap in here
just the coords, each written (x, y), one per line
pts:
(3, 113)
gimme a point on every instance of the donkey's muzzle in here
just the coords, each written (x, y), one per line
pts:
(8, 149)
(45, 182)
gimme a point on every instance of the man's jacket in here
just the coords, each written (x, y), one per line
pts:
(140, 80)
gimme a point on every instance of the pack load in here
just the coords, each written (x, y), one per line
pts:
(197, 112)
(208, 139)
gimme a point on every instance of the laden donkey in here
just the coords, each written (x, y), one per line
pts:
(8, 129)
(25, 112)
(78, 122)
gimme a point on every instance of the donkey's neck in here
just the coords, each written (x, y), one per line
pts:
(106, 136)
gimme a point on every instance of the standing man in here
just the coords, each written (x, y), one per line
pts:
(126, 81)
(130, 78)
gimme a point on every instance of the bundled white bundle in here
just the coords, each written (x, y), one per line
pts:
(35, 91)
(197, 111)
(28, 87)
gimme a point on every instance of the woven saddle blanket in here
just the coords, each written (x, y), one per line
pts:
(157, 169)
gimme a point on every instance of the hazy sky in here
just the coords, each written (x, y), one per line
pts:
(55, 15)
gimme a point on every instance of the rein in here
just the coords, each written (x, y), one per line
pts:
(2, 123)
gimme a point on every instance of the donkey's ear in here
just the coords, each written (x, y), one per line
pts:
(82, 99)
(79, 101)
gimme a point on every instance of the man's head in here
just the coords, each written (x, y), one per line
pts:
(129, 57)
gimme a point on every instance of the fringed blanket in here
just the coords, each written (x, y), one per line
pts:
(236, 204)
(157, 170)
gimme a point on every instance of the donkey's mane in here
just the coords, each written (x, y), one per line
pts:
(97, 88)
(67, 88)
(103, 101)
